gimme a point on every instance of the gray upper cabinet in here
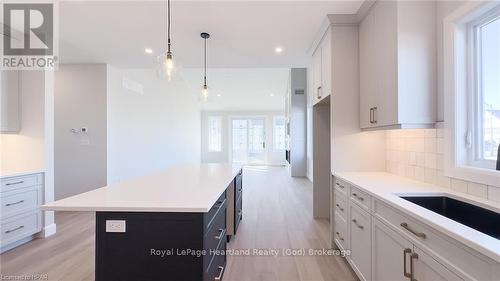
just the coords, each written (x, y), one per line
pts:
(397, 54)
(322, 69)
(10, 103)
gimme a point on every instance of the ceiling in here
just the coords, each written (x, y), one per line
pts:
(244, 34)
(241, 89)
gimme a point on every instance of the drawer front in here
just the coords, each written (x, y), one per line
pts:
(218, 207)
(13, 183)
(19, 201)
(238, 214)
(340, 206)
(341, 186)
(361, 198)
(215, 236)
(20, 226)
(340, 232)
(215, 269)
(471, 264)
(360, 239)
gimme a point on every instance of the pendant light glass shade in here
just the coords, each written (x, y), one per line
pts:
(204, 93)
(166, 66)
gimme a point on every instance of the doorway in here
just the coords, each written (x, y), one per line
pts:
(248, 140)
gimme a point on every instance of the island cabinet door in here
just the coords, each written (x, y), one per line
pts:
(150, 246)
(360, 238)
(390, 251)
(427, 268)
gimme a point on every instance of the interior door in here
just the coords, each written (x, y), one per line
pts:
(249, 140)
(256, 140)
(240, 140)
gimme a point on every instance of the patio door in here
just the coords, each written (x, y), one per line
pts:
(249, 140)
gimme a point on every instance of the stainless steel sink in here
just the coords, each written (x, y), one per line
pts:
(480, 219)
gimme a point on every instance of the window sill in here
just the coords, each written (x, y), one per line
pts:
(474, 174)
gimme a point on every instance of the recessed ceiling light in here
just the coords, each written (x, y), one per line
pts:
(278, 50)
(148, 51)
(271, 94)
(218, 95)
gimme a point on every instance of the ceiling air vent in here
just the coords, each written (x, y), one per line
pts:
(299, 91)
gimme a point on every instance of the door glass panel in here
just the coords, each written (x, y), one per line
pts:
(240, 134)
(248, 144)
(256, 139)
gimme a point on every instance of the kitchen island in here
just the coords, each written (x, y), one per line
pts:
(170, 225)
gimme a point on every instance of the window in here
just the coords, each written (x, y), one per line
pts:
(214, 133)
(484, 104)
(279, 133)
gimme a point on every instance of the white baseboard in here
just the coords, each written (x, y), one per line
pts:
(48, 231)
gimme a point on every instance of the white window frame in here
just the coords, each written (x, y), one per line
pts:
(475, 106)
(458, 89)
(209, 133)
(276, 149)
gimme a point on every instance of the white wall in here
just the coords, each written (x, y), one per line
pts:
(24, 151)
(272, 157)
(443, 9)
(309, 124)
(151, 130)
(80, 101)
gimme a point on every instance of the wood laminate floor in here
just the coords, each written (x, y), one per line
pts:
(277, 214)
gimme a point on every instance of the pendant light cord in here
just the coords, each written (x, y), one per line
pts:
(205, 62)
(168, 26)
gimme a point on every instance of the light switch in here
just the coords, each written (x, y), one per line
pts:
(115, 226)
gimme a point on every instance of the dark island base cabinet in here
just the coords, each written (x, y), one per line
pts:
(162, 246)
(236, 211)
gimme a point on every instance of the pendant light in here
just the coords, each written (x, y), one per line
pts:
(166, 62)
(204, 90)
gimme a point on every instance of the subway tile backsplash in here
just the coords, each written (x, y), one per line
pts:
(418, 154)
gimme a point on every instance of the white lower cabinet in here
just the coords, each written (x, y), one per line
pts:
(427, 268)
(360, 226)
(387, 244)
(388, 253)
(396, 258)
(20, 215)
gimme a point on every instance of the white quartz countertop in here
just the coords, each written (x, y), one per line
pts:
(386, 187)
(16, 173)
(182, 188)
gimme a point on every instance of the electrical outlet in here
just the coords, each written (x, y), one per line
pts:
(115, 226)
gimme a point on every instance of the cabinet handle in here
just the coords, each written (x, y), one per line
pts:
(340, 208)
(375, 115)
(317, 92)
(14, 229)
(358, 197)
(357, 224)
(340, 237)
(405, 272)
(218, 278)
(221, 234)
(15, 203)
(239, 212)
(371, 115)
(14, 183)
(339, 185)
(220, 204)
(413, 257)
(418, 234)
